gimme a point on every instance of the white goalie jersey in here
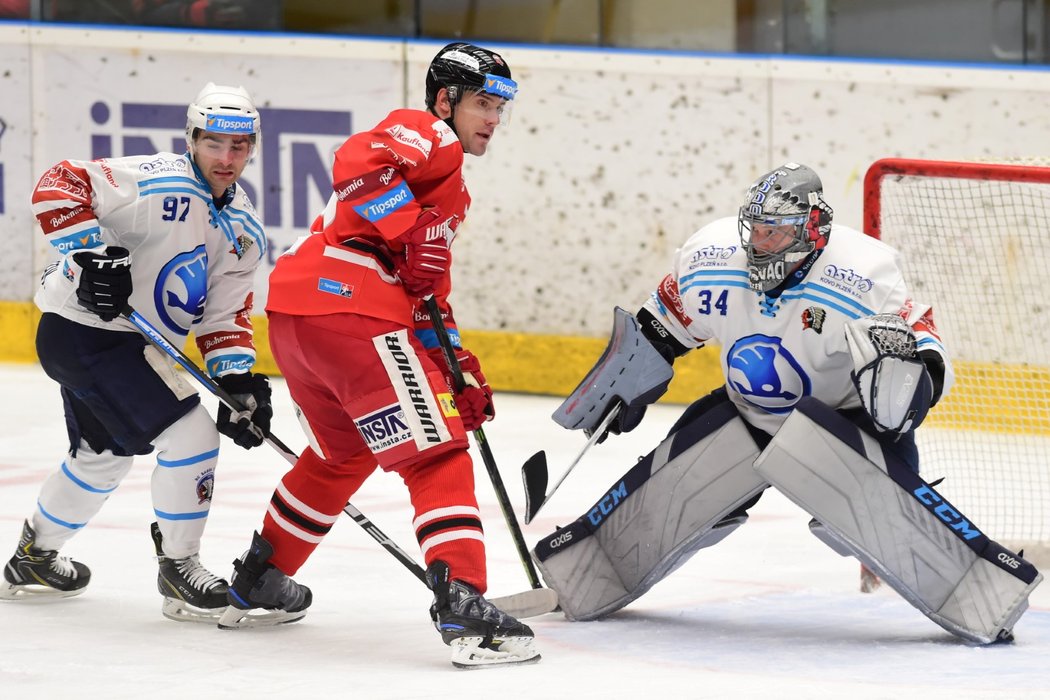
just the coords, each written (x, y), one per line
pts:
(192, 263)
(777, 349)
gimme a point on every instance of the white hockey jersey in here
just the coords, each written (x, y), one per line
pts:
(776, 350)
(192, 263)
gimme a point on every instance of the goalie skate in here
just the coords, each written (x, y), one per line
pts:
(40, 573)
(191, 592)
(479, 633)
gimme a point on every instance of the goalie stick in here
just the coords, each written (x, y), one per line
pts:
(534, 471)
(525, 604)
(483, 446)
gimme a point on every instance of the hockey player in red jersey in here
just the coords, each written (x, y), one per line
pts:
(351, 335)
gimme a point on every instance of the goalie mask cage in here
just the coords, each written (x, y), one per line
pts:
(975, 241)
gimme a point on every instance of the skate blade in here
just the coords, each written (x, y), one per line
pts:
(235, 618)
(468, 654)
(10, 591)
(531, 603)
(181, 611)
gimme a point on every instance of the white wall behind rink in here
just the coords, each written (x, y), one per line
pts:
(611, 160)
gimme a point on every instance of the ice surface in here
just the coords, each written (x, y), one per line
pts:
(770, 612)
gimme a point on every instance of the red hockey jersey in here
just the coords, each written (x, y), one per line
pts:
(382, 181)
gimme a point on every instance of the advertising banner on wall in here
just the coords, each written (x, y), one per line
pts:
(126, 94)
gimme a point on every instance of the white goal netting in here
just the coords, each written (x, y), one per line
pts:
(975, 238)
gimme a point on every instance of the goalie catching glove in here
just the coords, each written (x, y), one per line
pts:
(891, 379)
(425, 258)
(474, 401)
(250, 426)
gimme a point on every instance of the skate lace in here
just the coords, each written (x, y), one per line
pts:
(63, 566)
(195, 574)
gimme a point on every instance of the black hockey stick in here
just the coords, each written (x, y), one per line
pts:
(534, 471)
(517, 605)
(483, 446)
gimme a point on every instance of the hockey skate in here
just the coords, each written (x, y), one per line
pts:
(479, 633)
(41, 573)
(191, 592)
(257, 584)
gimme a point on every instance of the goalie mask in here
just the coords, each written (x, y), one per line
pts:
(784, 219)
(222, 109)
(464, 69)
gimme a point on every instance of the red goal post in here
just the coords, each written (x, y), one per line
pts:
(975, 243)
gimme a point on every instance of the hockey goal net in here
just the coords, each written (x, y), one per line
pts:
(975, 241)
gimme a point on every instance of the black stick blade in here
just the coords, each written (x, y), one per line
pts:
(534, 478)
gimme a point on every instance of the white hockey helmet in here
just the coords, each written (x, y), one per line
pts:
(222, 109)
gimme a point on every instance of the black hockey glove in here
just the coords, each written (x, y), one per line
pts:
(248, 427)
(105, 281)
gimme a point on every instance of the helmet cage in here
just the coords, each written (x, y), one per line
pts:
(767, 270)
(788, 197)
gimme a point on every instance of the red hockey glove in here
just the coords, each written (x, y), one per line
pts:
(474, 402)
(426, 256)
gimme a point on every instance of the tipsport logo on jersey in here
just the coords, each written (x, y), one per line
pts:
(766, 374)
(288, 191)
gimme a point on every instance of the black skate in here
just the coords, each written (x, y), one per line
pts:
(257, 584)
(479, 633)
(41, 573)
(191, 592)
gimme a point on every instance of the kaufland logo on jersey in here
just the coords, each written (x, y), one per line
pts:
(229, 124)
(386, 204)
(500, 86)
(410, 137)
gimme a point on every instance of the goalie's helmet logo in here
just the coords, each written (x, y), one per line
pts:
(766, 374)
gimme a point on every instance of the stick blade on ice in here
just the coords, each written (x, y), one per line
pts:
(531, 603)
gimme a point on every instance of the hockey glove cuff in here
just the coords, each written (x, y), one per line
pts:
(250, 426)
(474, 401)
(425, 258)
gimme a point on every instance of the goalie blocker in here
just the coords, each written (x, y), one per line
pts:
(873, 506)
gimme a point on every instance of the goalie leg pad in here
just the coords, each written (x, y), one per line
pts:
(687, 494)
(874, 507)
